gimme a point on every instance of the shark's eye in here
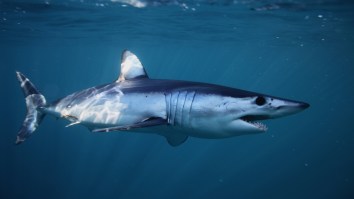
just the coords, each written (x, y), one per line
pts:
(260, 101)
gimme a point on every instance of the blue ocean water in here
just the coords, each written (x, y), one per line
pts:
(303, 50)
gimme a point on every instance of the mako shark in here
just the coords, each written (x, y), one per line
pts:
(171, 108)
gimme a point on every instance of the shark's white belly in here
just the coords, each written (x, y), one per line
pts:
(114, 110)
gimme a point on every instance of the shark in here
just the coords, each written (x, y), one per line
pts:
(174, 109)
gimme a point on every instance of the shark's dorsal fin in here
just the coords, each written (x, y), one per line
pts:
(131, 67)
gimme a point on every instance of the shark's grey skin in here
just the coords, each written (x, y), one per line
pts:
(171, 108)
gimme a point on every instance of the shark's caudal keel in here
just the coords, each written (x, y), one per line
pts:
(173, 109)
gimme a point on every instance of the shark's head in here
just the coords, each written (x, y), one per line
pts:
(246, 113)
(242, 114)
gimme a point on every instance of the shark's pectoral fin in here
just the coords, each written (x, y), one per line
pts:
(176, 139)
(148, 122)
(109, 129)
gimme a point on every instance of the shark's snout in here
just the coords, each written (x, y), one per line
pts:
(289, 108)
(304, 105)
(299, 106)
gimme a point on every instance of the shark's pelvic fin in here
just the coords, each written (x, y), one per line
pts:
(148, 122)
(131, 67)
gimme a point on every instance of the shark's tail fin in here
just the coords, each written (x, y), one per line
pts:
(34, 101)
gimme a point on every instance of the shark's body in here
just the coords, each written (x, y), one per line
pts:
(173, 109)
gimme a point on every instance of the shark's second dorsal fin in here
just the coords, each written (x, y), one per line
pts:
(131, 67)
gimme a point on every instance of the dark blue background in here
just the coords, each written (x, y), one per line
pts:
(303, 51)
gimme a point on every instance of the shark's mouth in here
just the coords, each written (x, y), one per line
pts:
(253, 120)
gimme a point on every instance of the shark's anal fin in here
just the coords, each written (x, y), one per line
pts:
(73, 123)
(74, 120)
(148, 122)
(176, 139)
